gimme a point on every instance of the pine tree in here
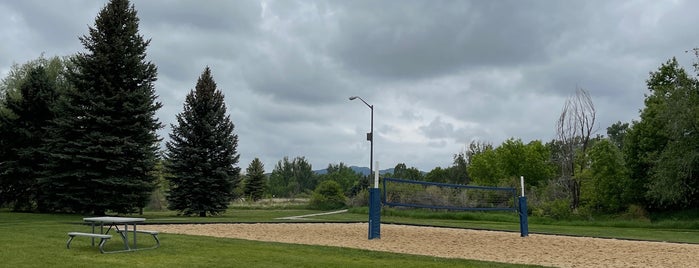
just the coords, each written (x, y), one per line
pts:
(104, 142)
(255, 183)
(202, 153)
(23, 123)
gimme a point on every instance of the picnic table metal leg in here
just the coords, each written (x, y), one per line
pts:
(125, 235)
(134, 236)
(93, 231)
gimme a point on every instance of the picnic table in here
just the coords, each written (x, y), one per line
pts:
(115, 222)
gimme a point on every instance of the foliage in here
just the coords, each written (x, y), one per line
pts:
(456, 174)
(617, 133)
(359, 199)
(484, 168)
(328, 195)
(606, 189)
(22, 130)
(202, 153)
(510, 160)
(342, 174)
(291, 178)
(557, 209)
(103, 144)
(255, 180)
(55, 68)
(437, 174)
(401, 171)
(662, 148)
(158, 199)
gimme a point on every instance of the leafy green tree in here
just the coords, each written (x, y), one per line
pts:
(607, 188)
(674, 181)
(255, 180)
(661, 149)
(344, 176)
(22, 130)
(484, 168)
(617, 132)
(536, 164)
(512, 159)
(401, 171)
(290, 178)
(328, 195)
(438, 174)
(103, 144)
(55, 68)
(457, 173)
(202, 153)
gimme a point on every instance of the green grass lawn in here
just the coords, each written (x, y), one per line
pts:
(38, 240)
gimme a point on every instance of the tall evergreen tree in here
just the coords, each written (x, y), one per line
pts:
(103, 143)
(202, 153)
(255, 180)
(22, 131)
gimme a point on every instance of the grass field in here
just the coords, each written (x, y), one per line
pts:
(38, 240)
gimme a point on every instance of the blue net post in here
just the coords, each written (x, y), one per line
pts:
(523, 221)
(374, 213)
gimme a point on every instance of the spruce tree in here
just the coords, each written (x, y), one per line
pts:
(23, 135)
(104, 143)
(202, 153)
(255, 180)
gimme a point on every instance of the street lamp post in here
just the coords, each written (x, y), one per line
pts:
(370, 135)
(374, 193)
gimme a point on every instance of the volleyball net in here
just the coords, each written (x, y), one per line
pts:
(433, 195)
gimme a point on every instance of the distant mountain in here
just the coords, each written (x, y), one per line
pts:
(361, 170)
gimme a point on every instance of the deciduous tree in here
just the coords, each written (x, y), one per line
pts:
(574, 130)
(607, 189)
(663, 146)
(344, 176)
(290, 178)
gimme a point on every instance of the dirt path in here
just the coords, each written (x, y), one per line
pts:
(549, 250)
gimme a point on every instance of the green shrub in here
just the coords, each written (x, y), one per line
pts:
(327, 195)
(636, 212)
(361, 199)
(556, 209)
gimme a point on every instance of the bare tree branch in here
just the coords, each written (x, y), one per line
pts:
(574, 129)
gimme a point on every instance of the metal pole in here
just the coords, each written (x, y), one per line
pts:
(370, 135)
(371, 142)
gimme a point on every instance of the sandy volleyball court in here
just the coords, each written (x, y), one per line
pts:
(549, 250)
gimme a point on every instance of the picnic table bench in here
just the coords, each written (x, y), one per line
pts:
(152, 233)
(103, 238)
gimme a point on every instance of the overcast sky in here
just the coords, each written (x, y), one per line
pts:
(440, 74)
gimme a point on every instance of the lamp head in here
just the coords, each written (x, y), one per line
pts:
(353, 97)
